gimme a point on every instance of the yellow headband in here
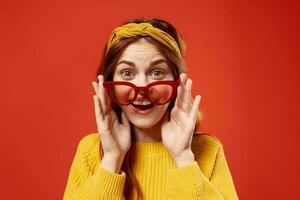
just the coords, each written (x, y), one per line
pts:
(142, 29)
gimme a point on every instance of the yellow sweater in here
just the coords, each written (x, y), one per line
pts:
(208, 177)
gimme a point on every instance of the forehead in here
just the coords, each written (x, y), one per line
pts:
(141, 52)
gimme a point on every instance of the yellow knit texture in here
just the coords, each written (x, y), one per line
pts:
(208, 177)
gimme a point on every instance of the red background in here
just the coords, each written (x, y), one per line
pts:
(241, 56)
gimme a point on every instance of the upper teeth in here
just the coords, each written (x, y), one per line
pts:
(145, 102)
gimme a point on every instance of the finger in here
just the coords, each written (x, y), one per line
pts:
(178, 97)
(96, 88)
(98, 110)
(102, 95)
(180, 90)
(125, 121)
(195, 108)
(187, 96)
(183, 78)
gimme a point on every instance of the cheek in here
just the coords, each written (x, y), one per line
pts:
(123, 93)
(160, 93)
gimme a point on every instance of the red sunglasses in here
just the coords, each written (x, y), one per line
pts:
(125, 93)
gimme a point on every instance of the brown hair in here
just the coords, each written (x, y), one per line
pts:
(107, 67)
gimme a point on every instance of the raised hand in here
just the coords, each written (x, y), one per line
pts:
(177, 132)
(115, 136)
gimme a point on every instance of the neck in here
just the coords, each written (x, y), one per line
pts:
(152, 134)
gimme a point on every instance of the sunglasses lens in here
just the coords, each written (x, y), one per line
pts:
(160, 94)
(122, 94)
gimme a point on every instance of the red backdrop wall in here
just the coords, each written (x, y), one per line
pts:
(241, 55)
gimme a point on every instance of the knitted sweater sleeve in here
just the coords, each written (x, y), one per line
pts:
(190, 183)
(88, 180)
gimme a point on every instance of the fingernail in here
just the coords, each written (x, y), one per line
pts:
(184, 78)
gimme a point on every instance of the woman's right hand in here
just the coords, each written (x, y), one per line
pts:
(115, 136)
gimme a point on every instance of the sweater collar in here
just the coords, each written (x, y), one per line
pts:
(149, 148)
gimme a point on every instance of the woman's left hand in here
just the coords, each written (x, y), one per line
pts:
(177, 133)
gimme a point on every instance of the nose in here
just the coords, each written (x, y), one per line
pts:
(140, 96)
(141, 81)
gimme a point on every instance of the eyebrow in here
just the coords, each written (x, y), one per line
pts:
(151, 64)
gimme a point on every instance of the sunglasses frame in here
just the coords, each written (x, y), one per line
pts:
(108, 84)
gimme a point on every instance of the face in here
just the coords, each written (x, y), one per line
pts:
(141, 63)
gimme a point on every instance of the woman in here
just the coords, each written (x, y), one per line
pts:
(146, 146)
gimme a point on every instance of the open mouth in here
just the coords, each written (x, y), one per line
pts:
(142, 107)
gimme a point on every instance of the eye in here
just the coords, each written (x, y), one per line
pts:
(157, 73)
(127, 74)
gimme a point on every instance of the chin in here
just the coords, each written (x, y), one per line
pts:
(143, 123)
